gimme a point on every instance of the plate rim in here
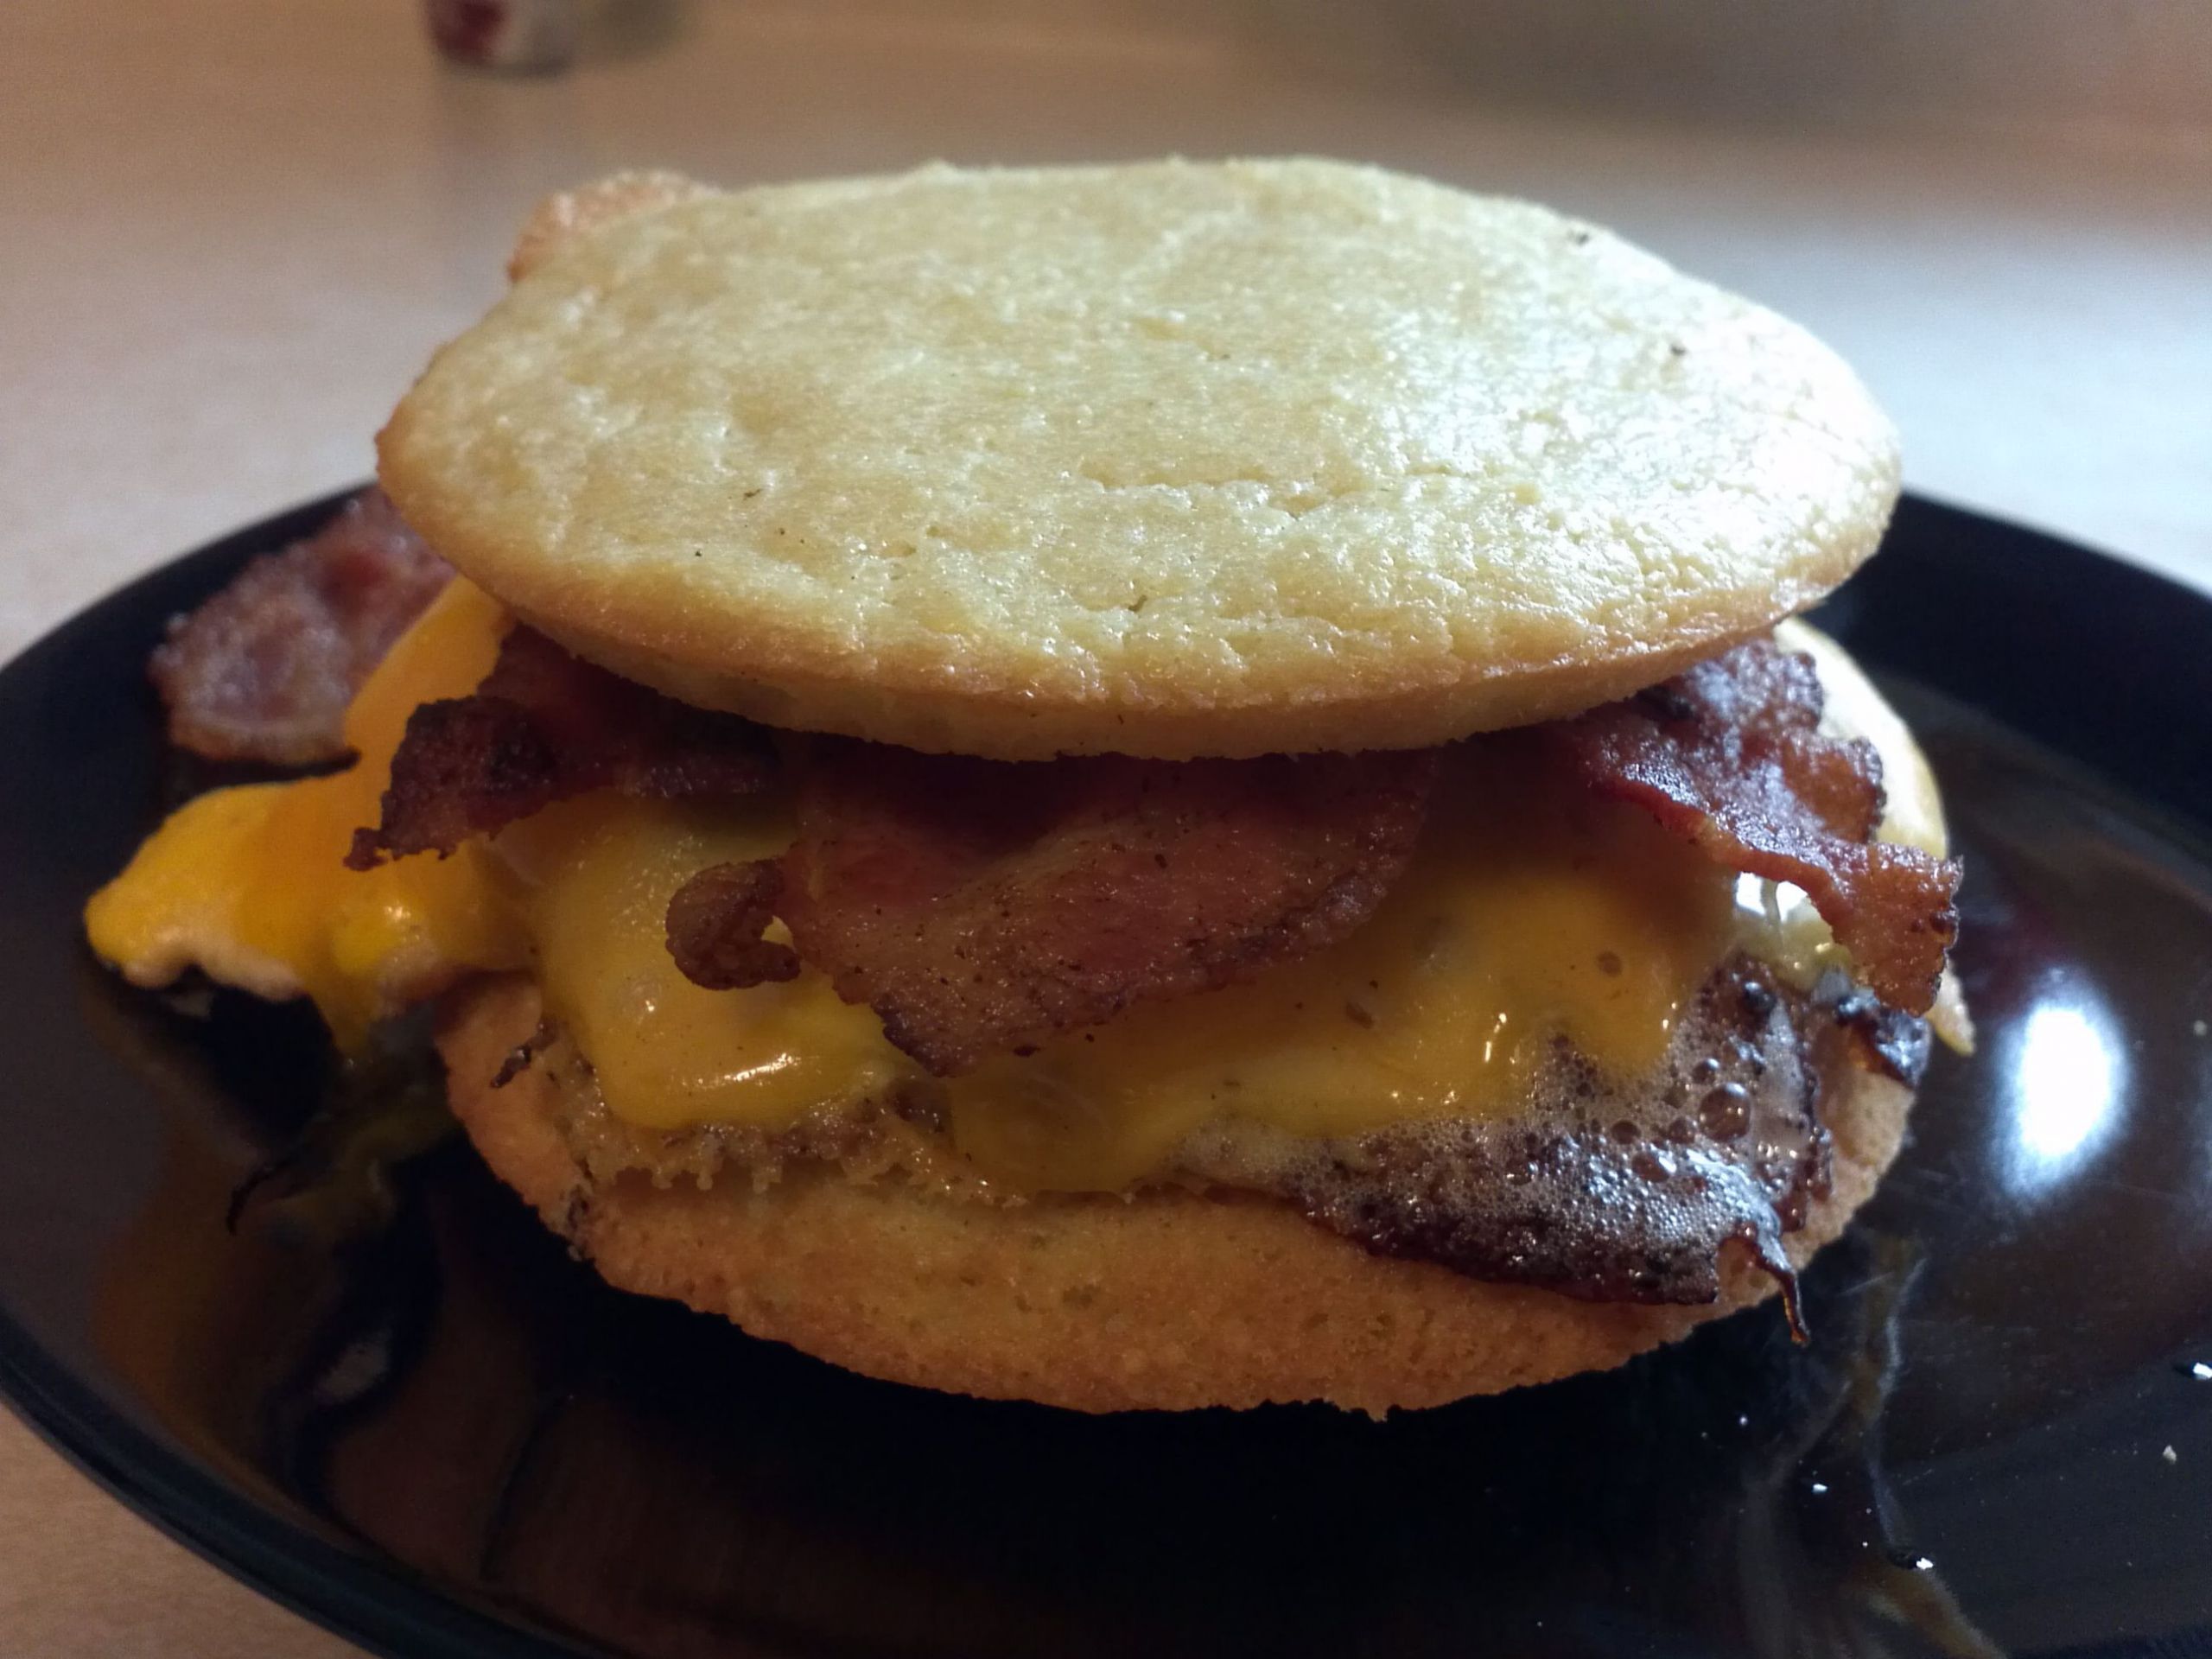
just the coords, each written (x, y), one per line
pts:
(361, 1595)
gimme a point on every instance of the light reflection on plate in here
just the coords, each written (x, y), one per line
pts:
(2069, 1072)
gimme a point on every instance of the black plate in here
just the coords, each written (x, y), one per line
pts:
(382, 1394)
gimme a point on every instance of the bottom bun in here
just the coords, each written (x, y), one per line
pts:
(1166, 1301)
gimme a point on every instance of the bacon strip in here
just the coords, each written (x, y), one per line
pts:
(1730, 756)
(981, 905)
(264, 670)
(545, 726)
(714, 923)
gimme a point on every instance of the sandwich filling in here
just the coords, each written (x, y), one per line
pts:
(1556, 1005)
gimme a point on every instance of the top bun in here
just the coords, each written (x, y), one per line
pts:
(1172, 460)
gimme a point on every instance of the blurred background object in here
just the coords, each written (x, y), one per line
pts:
(530, 36)
(235, 229)
(2044, 66)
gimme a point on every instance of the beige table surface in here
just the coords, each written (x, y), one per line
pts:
(231, 230)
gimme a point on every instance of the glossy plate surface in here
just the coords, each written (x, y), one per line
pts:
(370, 1383)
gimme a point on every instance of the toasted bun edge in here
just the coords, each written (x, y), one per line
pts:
(1166, 1301)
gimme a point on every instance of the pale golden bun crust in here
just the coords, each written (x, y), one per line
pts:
(560, 219)
(1170, 459)
(1169, 1301)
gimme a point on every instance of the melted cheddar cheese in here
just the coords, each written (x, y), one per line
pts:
(249, 882)
(1529, 913)
(1526, 915)
(669, 1054)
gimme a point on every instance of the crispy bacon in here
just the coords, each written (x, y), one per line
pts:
(1730, 756)
(714, 923)
(264, 670)
(979, 906)
(545, 726)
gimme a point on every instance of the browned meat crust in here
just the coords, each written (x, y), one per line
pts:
(1730, 756)
(1161, 1298)
(1606, 1189)
(981, 905)
(714, 923)
(265, 670)
(545, 726)
(1618, 1190)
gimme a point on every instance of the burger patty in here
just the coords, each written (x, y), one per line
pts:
(1608, 1188)
(1605, 1188)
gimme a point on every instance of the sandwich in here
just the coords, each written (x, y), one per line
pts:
(1138, 786)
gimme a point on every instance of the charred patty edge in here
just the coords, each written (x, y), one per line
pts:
(1605, 1190)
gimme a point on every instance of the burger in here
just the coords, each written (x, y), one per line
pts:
(1135, 787)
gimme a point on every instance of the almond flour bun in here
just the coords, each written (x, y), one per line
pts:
(1169, 460)
(1167, 1300)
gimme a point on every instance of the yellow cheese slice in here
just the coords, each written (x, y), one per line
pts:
(1529, 913)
